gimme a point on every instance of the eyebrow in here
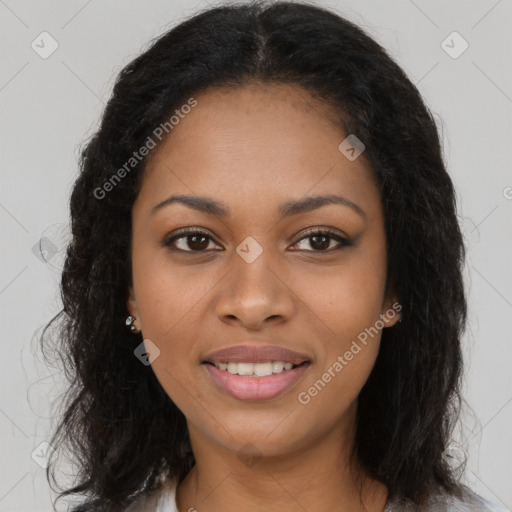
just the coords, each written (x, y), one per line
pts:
(287, 209)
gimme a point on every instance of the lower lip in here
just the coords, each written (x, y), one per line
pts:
(255, 389)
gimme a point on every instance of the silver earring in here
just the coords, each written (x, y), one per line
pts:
(130, 324)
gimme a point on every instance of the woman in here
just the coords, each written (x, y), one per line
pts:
(266, 207)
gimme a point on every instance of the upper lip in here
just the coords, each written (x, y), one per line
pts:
(254, 354)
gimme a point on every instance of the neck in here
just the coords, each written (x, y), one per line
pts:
(321, 476)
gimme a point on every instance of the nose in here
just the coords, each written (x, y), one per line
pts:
(253, 295)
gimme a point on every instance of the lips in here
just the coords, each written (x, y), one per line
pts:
(255, 354)
(255, 372)
(256, 389)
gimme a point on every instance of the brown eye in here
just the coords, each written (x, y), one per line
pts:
(189, 241)
(320, 240)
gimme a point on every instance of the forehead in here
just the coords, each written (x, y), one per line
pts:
(257, 141)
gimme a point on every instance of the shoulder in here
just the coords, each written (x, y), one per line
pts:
(164, 500)
(161, 500)
(469, 501)
(473, 503)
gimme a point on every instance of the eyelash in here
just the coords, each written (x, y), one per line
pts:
(186, 233)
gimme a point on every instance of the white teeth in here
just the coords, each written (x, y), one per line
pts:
(245, 368)
(263, 369)
(277, 366)
(255, 369)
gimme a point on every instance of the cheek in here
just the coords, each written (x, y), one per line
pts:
(170, 303)
(350, 336)
(343, 300)
(347, 303)
(170, 297)
(334, 388)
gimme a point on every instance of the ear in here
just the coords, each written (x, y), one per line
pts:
(391, 312)
(131, 306)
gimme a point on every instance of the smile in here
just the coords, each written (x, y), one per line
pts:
(255, 369)
(241, 380)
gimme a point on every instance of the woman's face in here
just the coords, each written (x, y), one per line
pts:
(254, 278)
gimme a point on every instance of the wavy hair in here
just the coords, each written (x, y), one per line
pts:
(126, 435)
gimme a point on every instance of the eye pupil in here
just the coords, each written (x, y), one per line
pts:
(201, 245)
(323, 245)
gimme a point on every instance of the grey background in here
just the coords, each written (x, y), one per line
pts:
(49, 106)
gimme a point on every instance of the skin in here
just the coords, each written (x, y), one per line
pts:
(253, 148)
